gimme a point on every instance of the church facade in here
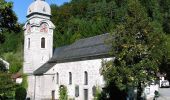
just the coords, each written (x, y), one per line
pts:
(76, 66)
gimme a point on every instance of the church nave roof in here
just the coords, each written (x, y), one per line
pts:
(83, 49)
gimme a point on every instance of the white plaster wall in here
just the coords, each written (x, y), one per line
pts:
(77, 69)
(31, 83)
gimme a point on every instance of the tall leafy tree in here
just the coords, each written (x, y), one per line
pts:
(165, 11)
(165, 65)
(138, 47)
(8, 24)
(8, 19)
(10, 35)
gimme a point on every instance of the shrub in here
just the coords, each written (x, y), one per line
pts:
(24, 81)
(20, 93)
(63, 93)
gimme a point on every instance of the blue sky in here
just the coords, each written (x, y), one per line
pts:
(20, 7)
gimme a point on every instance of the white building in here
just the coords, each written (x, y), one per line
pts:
(77, 66)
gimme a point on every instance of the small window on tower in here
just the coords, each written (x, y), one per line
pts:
(43, 42)
(28, 43)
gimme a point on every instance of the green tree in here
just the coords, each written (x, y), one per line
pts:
(8, 19)
(165, 65)
(165, 11)
(8, 24)
(138, 46)
(7, 87)
(81, 19)
(20, 93)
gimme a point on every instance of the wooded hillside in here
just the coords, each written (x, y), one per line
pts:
(84, 18)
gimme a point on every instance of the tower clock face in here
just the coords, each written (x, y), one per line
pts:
(44, 28)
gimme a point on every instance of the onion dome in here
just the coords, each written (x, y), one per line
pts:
(39, 7)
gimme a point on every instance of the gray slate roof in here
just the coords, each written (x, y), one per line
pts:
(83, 49)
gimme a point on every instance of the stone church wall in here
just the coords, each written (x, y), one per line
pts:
(49, 80)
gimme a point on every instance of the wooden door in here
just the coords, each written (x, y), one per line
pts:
(53, 95)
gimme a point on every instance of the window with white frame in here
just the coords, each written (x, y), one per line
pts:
(70, 78)
(94, 90)
(57, 78)
(76, 90)
(28, 43)
(42, 42)
(85, 78)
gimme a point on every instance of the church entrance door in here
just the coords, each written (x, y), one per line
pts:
(53, 95)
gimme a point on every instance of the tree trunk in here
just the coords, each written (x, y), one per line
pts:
(139, 91)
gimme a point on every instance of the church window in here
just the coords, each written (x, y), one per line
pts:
(57, 78)
(43, 42)
(70, 78)
(77, 91)
(85, 94)
(94, 90)
(85, 78)
(28, 43)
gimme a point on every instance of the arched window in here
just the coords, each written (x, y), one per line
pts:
(94, 91)
(43, 42)
(70, 78)
(77, 91)
(85, 78)
(28, 43)
(57, 78)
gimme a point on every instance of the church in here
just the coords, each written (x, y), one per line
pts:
(76, 66)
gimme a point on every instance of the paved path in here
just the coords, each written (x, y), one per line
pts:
(164, 94)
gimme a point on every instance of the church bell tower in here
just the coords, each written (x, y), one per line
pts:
(38, 36)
